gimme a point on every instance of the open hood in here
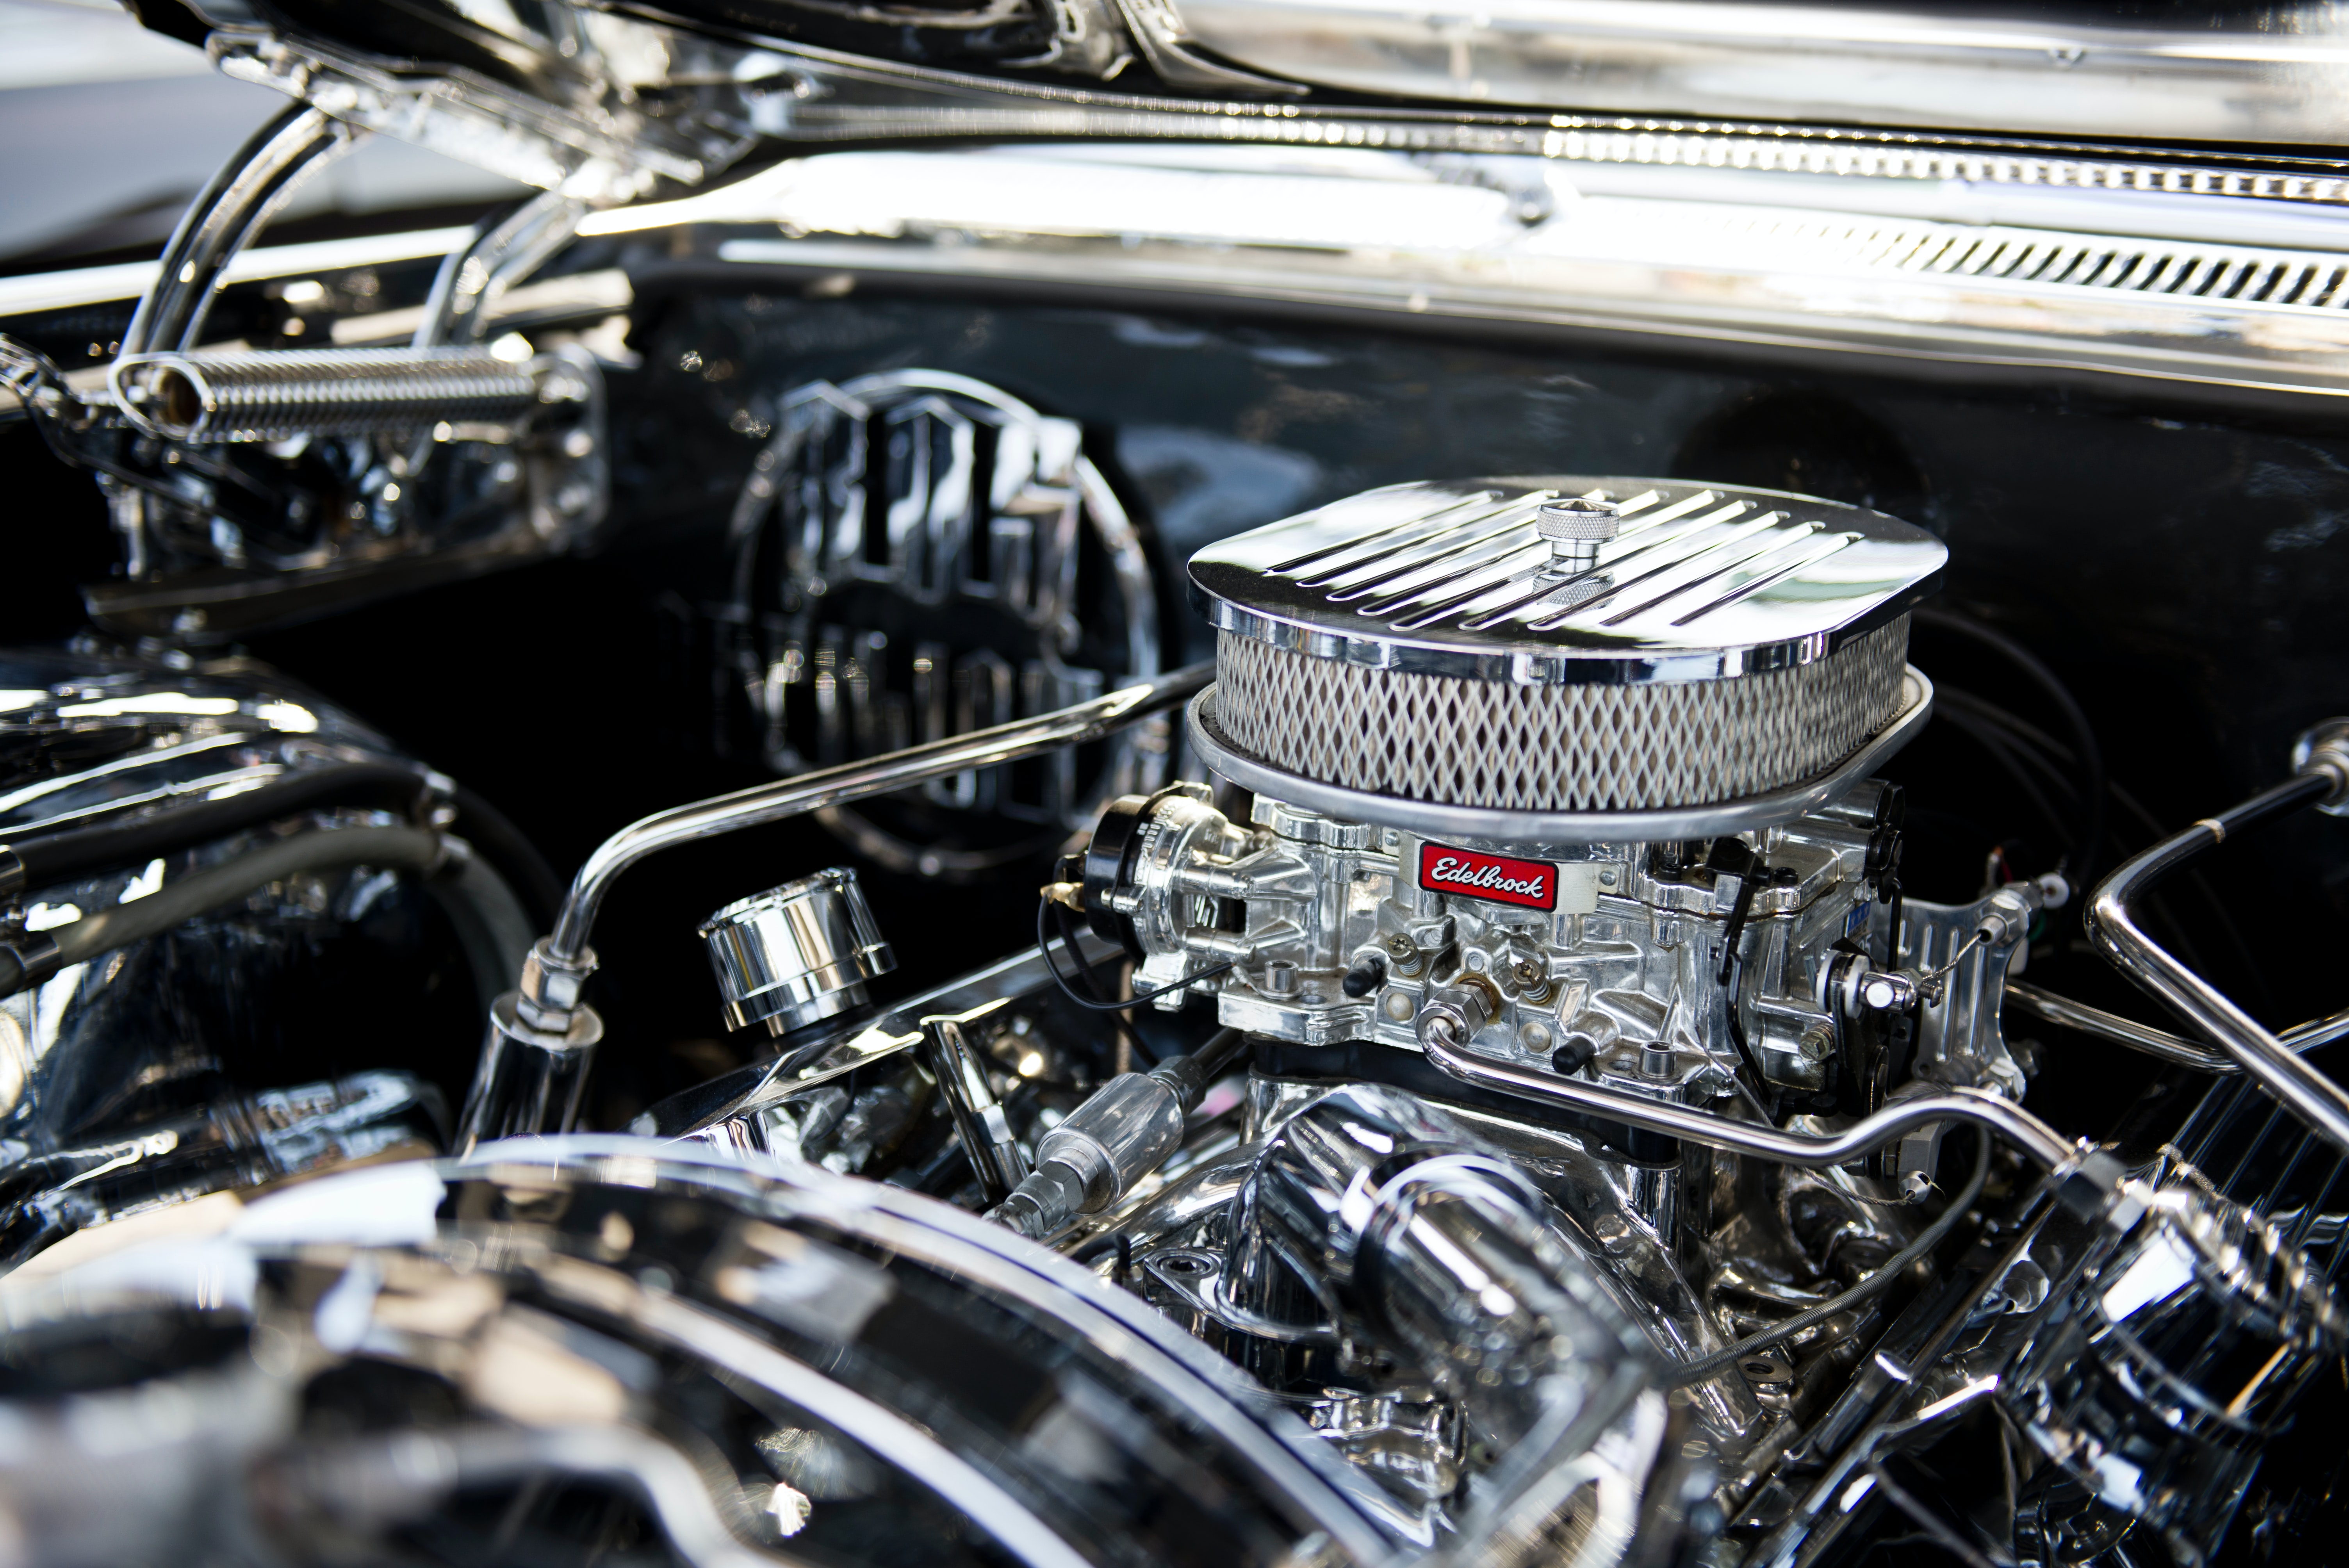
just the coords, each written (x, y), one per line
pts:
(612, 103)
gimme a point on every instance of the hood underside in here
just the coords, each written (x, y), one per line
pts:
(612, 103)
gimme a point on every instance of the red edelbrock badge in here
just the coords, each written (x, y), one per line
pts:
(1474, 875)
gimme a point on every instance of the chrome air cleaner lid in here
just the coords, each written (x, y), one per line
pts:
(1540, 657)
(1701, 581)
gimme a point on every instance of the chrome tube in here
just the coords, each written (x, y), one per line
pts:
(855, 781)
(2310, 1095)
(541, 1038)
(2009, 1120)
(988, 1142)
(504, 249)
(219, 222)
(2048, 1006)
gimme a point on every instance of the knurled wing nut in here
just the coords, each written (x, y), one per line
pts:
(1576, 528)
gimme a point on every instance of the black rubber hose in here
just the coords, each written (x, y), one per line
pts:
(2091, 756)
(1221, 1050)
(510, 852)
(492, 926)
(213, 887)
(54, 858)
(1190, 1077)
(1900, 1264)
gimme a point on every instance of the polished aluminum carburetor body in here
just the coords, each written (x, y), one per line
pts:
(1591, 806)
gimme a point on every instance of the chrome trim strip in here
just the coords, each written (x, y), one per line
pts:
(1910, 320)
(1657, 252)
(2273, 74)
(1481, 824)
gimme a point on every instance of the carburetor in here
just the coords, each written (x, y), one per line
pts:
(1574, 773)
(1660, 966)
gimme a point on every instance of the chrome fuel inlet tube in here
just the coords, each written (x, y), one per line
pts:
(541, 1038)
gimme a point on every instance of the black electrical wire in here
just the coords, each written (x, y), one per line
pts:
(1133, 1041)
(1044, 946)
(1094, 994)
(2089, 839)
(2045, 753)
(1985, 735)
(1881, 1280)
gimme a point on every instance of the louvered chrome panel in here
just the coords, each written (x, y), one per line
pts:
(1702, 582)
(1556, 748)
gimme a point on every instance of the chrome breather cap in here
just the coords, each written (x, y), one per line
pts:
(1549, 651)
(797, 952)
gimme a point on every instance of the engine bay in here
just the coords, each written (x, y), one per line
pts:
(663, 901)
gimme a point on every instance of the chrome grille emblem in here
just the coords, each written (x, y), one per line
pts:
(918, 555)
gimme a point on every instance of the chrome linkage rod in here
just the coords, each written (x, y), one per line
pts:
(542, 1037)
(2319, 778)
(2043, 1143)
